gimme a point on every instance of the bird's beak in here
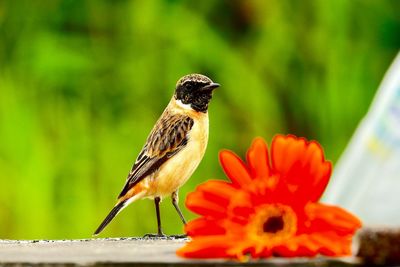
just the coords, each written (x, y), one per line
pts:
(210, 87)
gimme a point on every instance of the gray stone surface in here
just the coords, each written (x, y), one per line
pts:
(125, 252)
(87, 252)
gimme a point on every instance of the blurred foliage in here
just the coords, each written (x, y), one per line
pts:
(82, 83)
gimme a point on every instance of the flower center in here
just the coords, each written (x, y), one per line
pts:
(272, 223)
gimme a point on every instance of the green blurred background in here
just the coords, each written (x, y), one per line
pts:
(82, 83)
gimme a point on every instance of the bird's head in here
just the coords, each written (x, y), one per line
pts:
(195, 91)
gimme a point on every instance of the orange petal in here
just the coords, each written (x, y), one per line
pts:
(196, 202)
(257, 158)
(217, 191)
(331, 218)
(234, 168)
(288, 249)
(298, 246)
(204, 226)
(332, 244)
(265, 253)
(240, 207)
(301, 166)
(279, 147)
(307, 247)
(206, 247)
(319, 169)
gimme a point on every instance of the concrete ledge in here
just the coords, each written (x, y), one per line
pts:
(126, 252)
(373, 246)
(89, 251)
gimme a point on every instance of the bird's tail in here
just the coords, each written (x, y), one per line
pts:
(111, 215)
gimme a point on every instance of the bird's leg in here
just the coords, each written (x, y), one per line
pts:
(175, 200)
(157, 203)
(160, 232)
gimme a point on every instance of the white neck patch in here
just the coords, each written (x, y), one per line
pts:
(184, 106)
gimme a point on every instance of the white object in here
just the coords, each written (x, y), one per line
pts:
(366, 180)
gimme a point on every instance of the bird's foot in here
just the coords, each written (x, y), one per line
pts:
(164, 236)
(155, 236)
(178, 236)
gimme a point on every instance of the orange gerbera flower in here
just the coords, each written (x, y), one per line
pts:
(269, 208)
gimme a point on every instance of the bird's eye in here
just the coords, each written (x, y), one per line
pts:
(189, 86)
(187, 98)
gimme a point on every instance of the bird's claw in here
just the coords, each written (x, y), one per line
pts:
(153, 236)
(178, 236)
(164, 236)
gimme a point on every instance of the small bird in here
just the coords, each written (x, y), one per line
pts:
(173, 149)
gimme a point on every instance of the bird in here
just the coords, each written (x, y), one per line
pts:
(172, 151)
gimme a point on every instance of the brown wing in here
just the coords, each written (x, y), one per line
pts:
(168, 137)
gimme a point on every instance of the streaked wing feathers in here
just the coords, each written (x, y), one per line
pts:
(167, 138)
